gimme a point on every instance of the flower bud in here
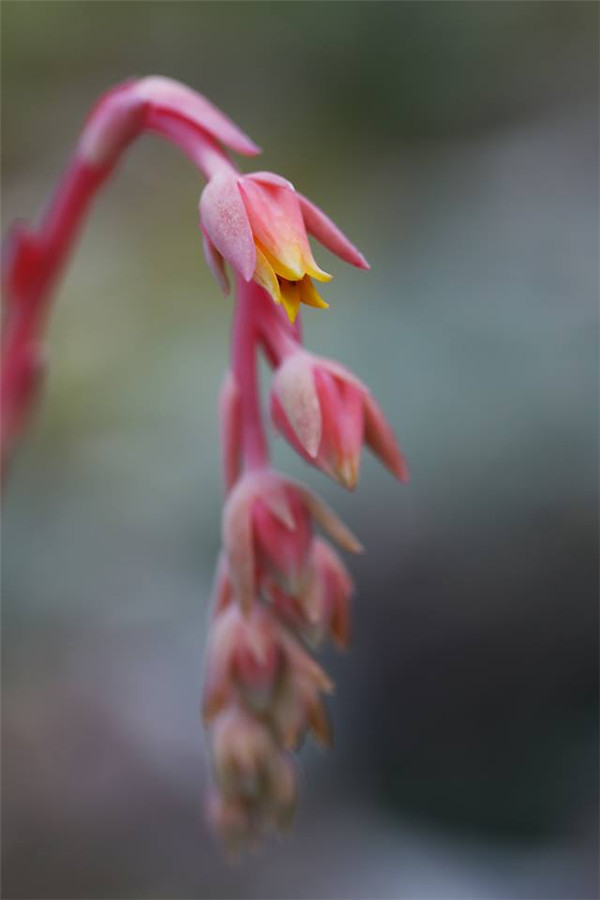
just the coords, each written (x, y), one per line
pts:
(231, 820)
(251, 769)
(244, 654)
(267, 526)
(298, 705)
(327, 414)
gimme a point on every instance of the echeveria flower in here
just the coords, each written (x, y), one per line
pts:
(258, 224)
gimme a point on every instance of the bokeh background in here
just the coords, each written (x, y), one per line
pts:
(457, 143)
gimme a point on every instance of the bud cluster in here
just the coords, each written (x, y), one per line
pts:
(280, 590)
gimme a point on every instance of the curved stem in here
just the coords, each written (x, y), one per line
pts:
(34, 259)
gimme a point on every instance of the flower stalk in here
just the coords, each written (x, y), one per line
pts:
(280, 589)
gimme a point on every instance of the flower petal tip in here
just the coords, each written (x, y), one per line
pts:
(402, 473)
(252, 149)
(347, 473)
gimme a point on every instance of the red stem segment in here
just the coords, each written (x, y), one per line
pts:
(33, 259)
(33, 264)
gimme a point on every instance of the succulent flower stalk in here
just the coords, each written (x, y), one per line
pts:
(280, 588)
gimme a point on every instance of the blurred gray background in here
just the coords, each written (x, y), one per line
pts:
(457, 143)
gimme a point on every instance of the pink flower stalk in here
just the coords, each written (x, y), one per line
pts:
(279, 588)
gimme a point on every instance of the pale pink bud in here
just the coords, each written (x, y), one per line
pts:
(326, 413)
(282, 546)
(298, 705)
(226, 225)
(243, 751)
(325, 603)
(267, 531)
(322, 609)
(244, 654)
(231, 819)
(249, 766)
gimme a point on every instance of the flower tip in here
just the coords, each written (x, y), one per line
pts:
(396, 464)
(251, 148)
(401, 471)
(362, 263)
(347, 473)
(311, 443)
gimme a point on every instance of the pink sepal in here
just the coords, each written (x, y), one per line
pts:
(381, 439)
(216, 263)
(314, 397)
(178, 100)
(327, 232)
(224, 219)
(244, 653)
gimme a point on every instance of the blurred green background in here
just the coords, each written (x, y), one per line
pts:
(457, 143)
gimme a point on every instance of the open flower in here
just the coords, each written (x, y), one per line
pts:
(259, 223)
(326, 413)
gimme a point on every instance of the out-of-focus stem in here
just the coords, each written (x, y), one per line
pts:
(34, 259)
(245, 334)
(278, 337)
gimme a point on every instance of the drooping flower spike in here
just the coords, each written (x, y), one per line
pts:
(279, 589)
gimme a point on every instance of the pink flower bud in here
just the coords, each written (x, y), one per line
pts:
(298, 705)
(250, 767)
(323, 608)
(327, 414)
(267, 527)
(244, 654)
(231, 820)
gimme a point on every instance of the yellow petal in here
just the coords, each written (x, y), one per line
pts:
(291, 267)
(290, 296)
(318, 274)
(308, 294)
(266, 277)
